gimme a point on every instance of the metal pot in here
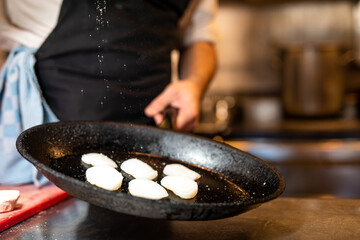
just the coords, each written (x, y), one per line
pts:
(313, 78)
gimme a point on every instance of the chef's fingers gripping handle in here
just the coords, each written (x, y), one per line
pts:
(169, 120)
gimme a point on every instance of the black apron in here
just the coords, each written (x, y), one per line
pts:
(108, 59)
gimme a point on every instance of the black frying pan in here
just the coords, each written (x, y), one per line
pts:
(232, 181)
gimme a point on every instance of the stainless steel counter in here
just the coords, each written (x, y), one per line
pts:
(283, 218)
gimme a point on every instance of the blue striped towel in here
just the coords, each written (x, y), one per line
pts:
(21, 106)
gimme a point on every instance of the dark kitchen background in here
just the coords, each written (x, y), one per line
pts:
(287, 90)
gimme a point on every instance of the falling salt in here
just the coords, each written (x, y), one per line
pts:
(101, 22)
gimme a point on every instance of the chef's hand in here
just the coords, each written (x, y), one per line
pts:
(197, 66)
(183, 95)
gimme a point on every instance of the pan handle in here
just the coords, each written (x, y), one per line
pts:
(169, 121)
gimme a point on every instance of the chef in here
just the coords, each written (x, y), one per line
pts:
(111, 59)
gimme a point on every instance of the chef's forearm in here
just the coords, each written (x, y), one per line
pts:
(198, 64)
(3, 56)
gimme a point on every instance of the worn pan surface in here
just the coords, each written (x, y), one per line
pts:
(232, 181)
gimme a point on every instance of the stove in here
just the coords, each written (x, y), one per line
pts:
(319, 157)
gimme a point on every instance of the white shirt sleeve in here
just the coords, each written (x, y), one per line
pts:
(199, 22)
(27, 22)
(5, 42)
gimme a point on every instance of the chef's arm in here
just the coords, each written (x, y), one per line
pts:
(3, 56)
(198, 64)
(196, 69)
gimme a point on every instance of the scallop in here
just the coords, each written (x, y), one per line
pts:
(105, 177)
(147, 189)
(98, 159)
(138, 169)
(180, 170)
(8, 199)
(180, 186)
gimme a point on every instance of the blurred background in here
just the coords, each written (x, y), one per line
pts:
(287, 90)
